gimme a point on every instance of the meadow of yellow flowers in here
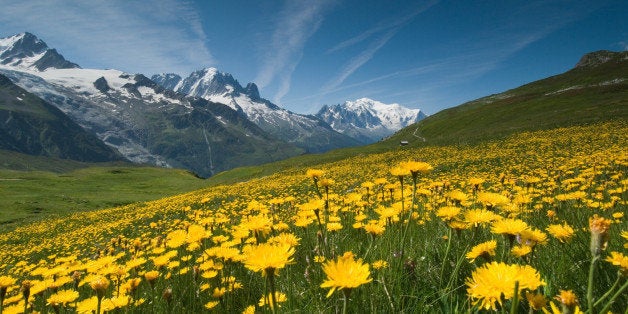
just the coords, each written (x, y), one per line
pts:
(532, 223)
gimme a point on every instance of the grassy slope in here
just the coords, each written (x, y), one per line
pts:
(538, 105)
(582, 95)
(524, 108)
(43, 186)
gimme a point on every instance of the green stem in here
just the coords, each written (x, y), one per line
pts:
(346, 293)
(608, 292)
(273, 298)
(618, 293)
(368, 250)
(390, 300)
(407, 226)
(98, 306)
(590, 283)
(515, 300)
(442, 269)
(455, 273)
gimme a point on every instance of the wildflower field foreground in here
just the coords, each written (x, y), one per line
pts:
(533, 223)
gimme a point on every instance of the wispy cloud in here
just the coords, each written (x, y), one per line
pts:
(132, 36)
(297, 22)
(387, 30)
(381, 27)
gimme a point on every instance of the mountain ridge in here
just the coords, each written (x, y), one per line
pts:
(368, 120)
(32, 126)
(305, 131)
(145, 122)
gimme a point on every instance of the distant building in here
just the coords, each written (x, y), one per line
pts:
(403, 143)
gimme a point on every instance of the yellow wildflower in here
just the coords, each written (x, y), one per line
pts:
(62, 298)
(562, 232)
(619, 259)
(345, 273)
(490, 282)
(485, 250)
(268, 257)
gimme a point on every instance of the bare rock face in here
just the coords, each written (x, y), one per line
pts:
(600, 57)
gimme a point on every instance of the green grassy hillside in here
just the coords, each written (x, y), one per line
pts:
(594, 91)
(38, 187)
(376, 233)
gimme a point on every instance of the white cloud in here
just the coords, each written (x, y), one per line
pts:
(297, 22)
(132, 36)
(389, 29)
(382, 26)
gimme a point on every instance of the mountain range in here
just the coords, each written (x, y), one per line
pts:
(206, 122)
(32, 126)
(369, 120)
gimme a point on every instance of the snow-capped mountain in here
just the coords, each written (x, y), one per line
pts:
(26, 51)
(32, 126)
(145, 122)
(307, 132)
(368, 120)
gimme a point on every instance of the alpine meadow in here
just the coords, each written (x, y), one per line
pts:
(170, 193)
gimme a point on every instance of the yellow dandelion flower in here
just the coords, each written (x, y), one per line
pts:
(490, 282)
(249, 310)
(314, 174)
(176, 238)
(333, 226)
(521, 250)
(208, 274)
(568, 300)
(219, 292)
(379, 264)
(399, 172)
(492, 200)
(100, 285)
(478, 217)
(374, 228)
(6, 282)
(151, 276)
(532, 237)
(345, 273)
(325, 182)
(268, 257)
(415, 167)
(62, 298)
(475, 181)
(88, 305)
(536, 301)
(562, 233)
(448, 213)
(619, 259)
(485, 250)
(458, 196)
(285, 238)
(211, 304)
(509, 226)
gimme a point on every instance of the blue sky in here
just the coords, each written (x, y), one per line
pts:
(303, 54)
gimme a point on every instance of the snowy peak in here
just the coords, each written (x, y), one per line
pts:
(368, 120)
(26, 51)
(304, 131)
(202, 83)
